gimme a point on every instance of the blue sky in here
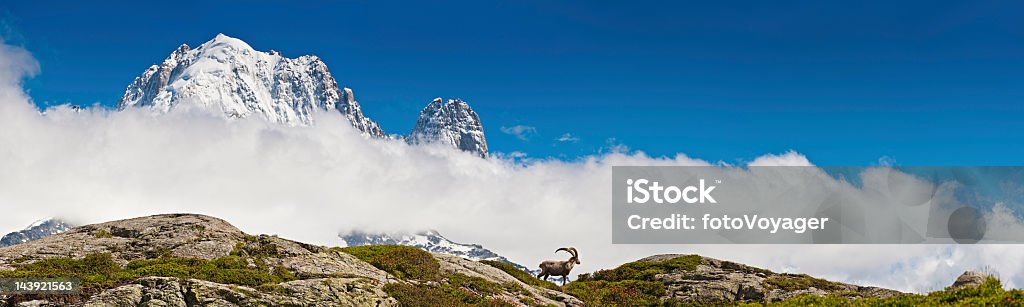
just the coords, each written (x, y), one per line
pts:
(921, 83)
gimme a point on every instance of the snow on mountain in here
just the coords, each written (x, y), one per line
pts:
(36, 231)
(431, 241)
(453, 123)
(227, 74)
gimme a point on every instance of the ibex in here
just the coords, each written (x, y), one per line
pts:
(559, 267)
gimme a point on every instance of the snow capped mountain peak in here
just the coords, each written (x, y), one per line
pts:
(228, 75)
(453, 123)
(431, 241)
(36, 231)
(224, 40)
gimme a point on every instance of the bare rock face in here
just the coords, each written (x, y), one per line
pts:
(453, 123)
(163, 291)
(455, 264)
(969, 279)
(717, 281)
(177, 235)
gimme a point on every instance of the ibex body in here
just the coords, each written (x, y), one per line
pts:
(559, 267)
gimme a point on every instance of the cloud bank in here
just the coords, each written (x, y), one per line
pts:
(310, 183)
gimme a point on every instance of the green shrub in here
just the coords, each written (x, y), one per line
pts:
(645, 270)
(401, 261)
(225, 270)
(459, 291)
(521, 275)
(792, 282)
(99, 271)
(423, 295)
(476, 284)
(631, 284)
(617, 293)
(96, 271)
(257, 247)
(990, 293)
(102, 233)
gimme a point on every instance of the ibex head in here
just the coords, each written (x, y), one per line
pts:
(571, 250)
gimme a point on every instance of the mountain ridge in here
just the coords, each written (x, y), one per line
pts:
(192, 259)
(35, 231)
(227, 75)
(196, 260)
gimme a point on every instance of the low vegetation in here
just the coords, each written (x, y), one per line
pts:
(990, 293)
(792, 282)
(257, 247)
(454, 290)
(100, 271)
(102, 234)
(631, 284)
(521, 275)
(402, 261)
(430, 287)
(616, 293)
(415, 295)
(645, 270)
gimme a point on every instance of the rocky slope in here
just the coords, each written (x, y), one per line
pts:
(692, 280)
(196, 260)
(714, 280)
(228, 75)
(187, 260)
(36, 231)
(453, 123)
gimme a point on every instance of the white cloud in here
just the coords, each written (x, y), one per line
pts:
(568, 137)
(309, 183)
(790, 158)
(521, 132)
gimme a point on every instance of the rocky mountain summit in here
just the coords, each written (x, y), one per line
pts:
(227, 75)
(36, 231)
(453, 123)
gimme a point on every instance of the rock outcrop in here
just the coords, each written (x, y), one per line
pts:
(453, 123)
(455, 264)
(316, 275)
(969, 279)
(165, 291)
(719, 281)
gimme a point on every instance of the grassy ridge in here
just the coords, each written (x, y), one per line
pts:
(429, 286)
(990, 293)
(99, 271)
(631, 284)
(402, 261)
